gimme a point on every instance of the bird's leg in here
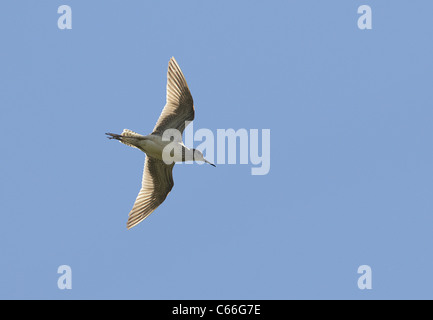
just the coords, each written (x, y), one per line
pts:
(114, 136)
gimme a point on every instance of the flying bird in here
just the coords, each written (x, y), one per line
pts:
(158, 172)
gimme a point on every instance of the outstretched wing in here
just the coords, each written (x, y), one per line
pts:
(157, 184)
(180, 105)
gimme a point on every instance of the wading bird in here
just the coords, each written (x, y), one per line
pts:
(157, 175)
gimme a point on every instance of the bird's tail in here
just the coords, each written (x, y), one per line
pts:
(127, 137)
(130, 133)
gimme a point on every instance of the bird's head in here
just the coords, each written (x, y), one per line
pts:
(198, 156)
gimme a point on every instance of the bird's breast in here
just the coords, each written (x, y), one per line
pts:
(168, 151)
(153, 148)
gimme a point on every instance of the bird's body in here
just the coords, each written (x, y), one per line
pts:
(154, 145)
(157, 176)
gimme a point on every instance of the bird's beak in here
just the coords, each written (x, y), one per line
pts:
(209, 163)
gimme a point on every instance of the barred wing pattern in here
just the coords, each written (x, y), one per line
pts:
(157, 184)
(180, 105)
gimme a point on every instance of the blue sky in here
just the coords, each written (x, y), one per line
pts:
(351, 179)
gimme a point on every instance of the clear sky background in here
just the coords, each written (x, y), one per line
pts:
(351, 179)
